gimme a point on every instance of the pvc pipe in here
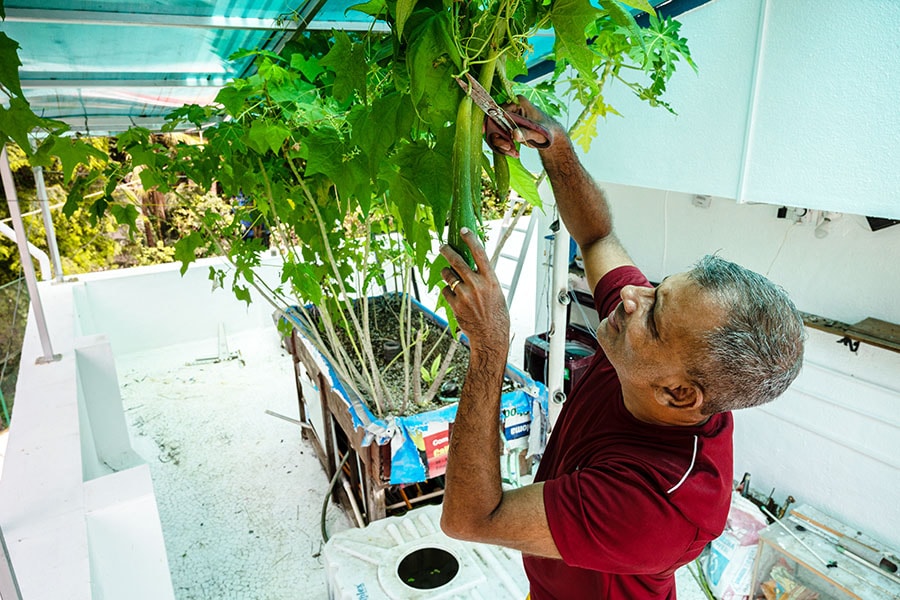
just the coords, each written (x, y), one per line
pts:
(48, 223)
(35, 252)
(27, 267)
(559, 315)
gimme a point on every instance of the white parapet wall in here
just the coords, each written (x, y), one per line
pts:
(77, 507)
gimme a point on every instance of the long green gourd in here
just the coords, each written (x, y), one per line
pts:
(467, 152)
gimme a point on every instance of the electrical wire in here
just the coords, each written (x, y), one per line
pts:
(780, 248)
(337, 475)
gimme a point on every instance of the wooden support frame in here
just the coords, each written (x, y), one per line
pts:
(365, 467)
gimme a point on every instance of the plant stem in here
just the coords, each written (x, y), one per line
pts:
(371, 373)
(442, 372)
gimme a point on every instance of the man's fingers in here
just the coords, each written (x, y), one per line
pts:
(482, 262)
(457, 263)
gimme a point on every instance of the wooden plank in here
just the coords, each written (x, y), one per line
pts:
(375, 490)
(878, 329)
(871, 331)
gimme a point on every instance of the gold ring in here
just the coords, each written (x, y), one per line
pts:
(453, 284)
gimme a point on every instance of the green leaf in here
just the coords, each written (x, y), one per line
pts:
(232, 99)
(641, 5)
(9, 64)
(150, 180)
(292, 89)
(326, 148)
(523, 181)
(345, 166)
(405, 197)
(404, 9)
(241, 293)
(620, 16)
(426, 169)
(570, 19)
(74, 198)
(134, 136)
(192, 113)
(348, 61)
(72, 153)
(377, 128)
(264, 136)
(217, 276)
(244, 53)
(515, 66)
(308, 66)
(431, 65)
(373, 8)
(17, 122)
(125, 215)
(185, 249)
(304, 280)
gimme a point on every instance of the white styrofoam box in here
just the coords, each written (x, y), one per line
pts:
(367, 563)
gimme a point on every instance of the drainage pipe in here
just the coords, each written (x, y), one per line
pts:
(27, 267)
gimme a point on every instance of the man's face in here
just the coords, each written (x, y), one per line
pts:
(652, 333)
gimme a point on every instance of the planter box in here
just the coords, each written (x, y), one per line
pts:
(400, 452)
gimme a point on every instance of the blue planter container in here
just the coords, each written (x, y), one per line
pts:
(419, 443)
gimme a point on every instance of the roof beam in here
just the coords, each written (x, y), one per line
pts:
(120, 19)
(99, 125)
(45, 80)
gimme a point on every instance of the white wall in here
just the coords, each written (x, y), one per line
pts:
(833, 440)
(795, 103)
(154, 307)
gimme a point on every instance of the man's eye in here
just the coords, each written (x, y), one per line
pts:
(651, 323)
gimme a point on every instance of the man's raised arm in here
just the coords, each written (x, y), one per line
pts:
(582, 204)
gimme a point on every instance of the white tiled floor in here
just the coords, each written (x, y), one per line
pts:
(239, 493)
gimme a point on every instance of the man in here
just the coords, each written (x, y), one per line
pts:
(637, 474)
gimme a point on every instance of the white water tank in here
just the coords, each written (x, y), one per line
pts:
(409, 557)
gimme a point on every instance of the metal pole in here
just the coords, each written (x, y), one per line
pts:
(48, 223)
(9, 586)
(27, 266)
(559, 313)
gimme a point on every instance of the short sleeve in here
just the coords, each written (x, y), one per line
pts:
(610, 519)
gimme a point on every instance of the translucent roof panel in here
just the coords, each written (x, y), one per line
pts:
(104, 65)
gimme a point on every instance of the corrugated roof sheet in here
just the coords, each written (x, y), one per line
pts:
(104, 65)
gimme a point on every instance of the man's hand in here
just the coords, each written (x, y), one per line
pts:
(535, 129)
(476, 297)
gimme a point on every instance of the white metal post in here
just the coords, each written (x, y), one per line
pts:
(27, 266)
(559, 314)
(48, 223)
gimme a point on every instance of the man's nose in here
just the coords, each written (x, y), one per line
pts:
(632, 296)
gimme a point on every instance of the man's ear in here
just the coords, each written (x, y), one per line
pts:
(685, 395)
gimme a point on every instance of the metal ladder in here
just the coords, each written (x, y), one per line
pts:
(509, 226)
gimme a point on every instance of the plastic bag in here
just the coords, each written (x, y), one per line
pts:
(728, 560)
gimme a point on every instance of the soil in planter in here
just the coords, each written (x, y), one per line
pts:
(384, 326)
